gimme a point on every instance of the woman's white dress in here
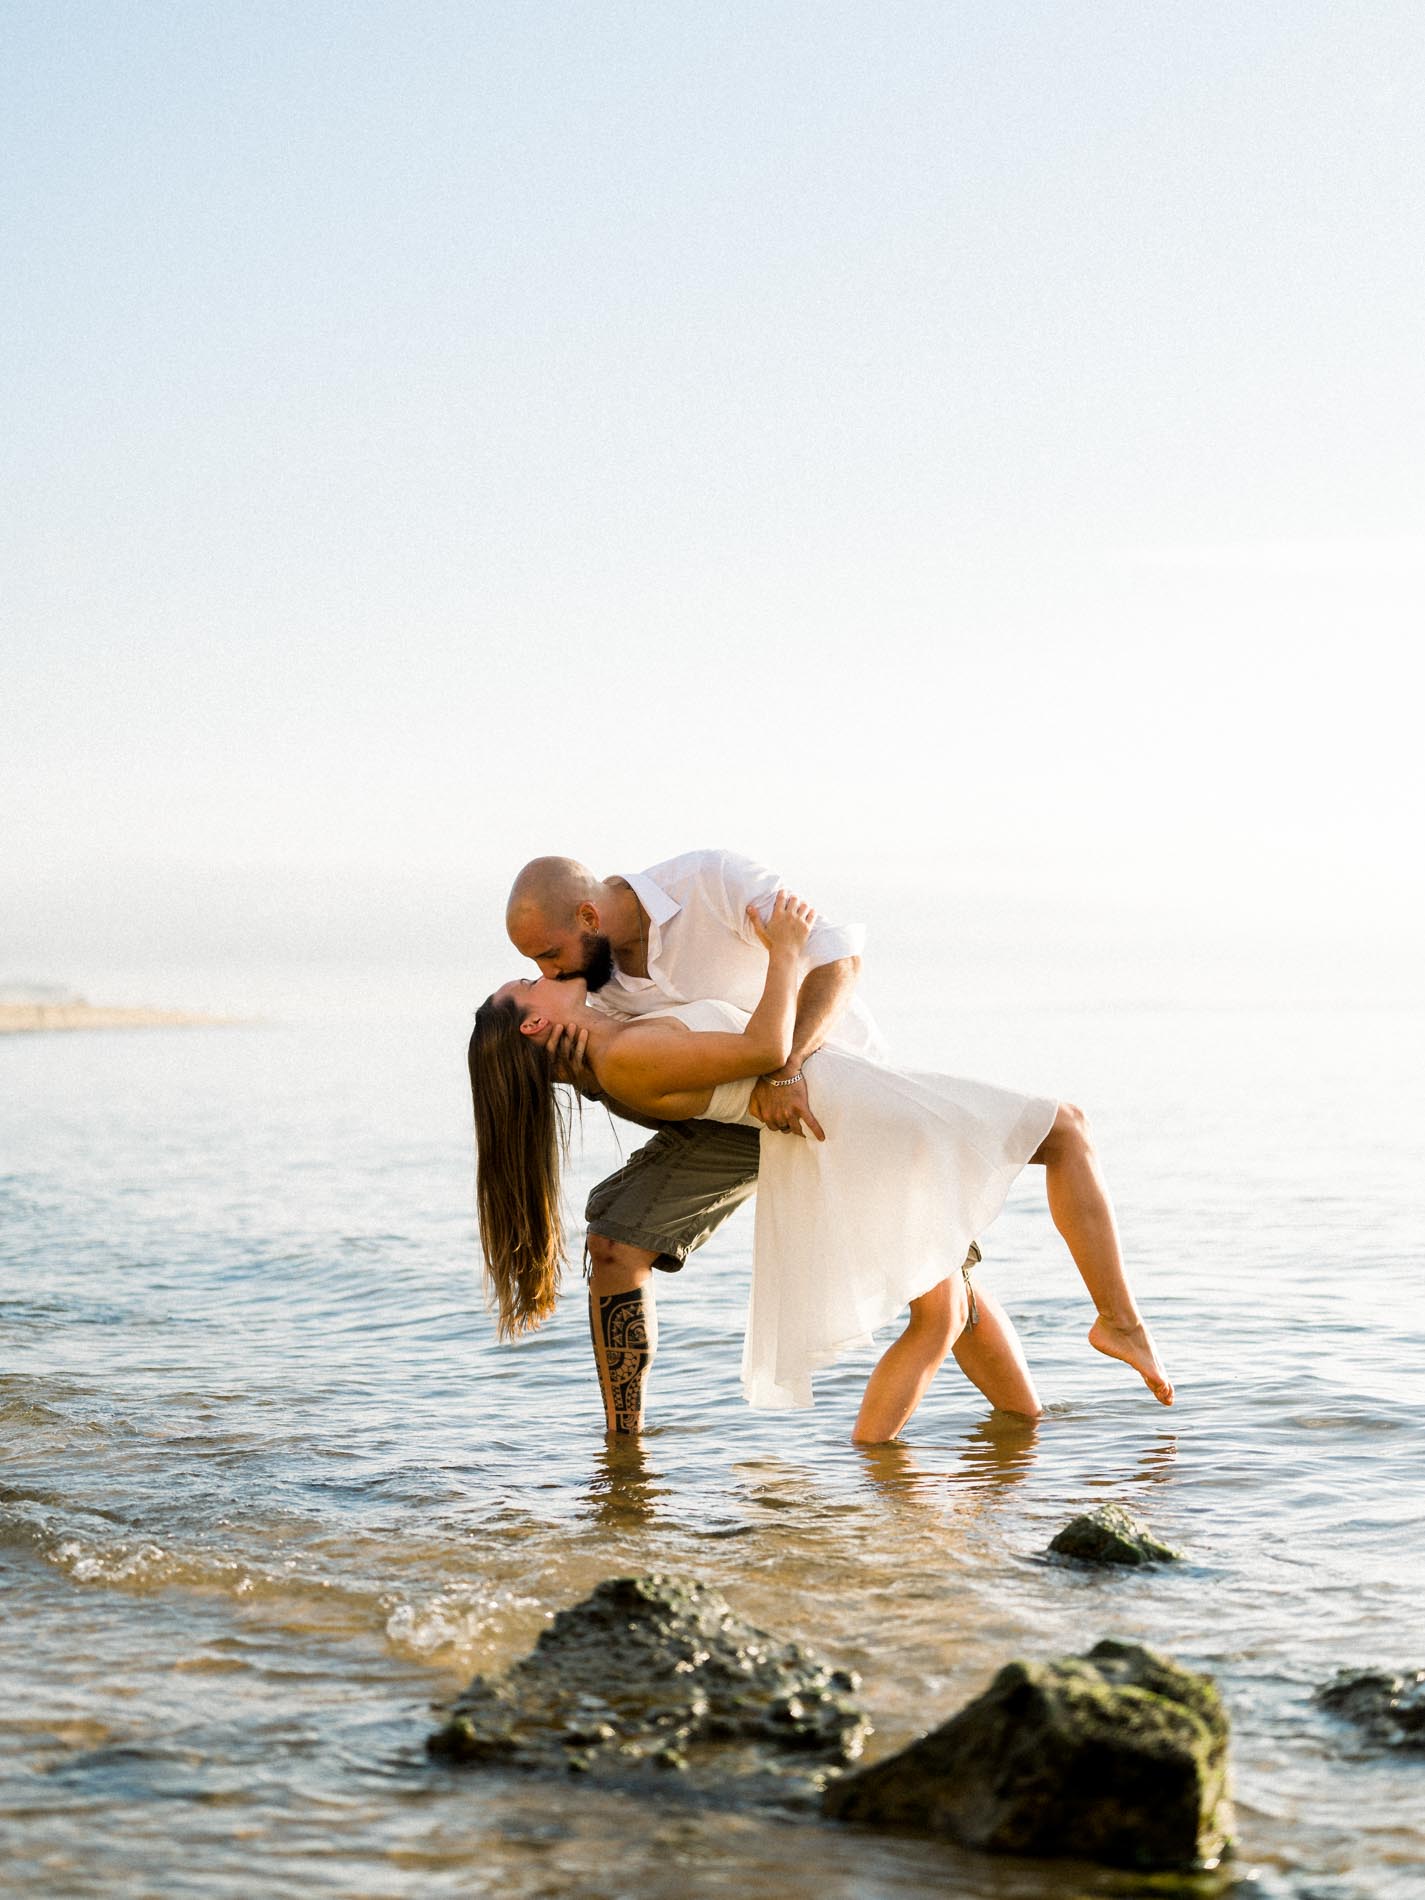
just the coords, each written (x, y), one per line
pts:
(914, 1167)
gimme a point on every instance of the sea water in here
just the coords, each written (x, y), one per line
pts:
(271, 1490)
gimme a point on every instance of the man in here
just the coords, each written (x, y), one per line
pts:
(679, 933)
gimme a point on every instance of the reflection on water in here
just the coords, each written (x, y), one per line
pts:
(1156, 1461)
(995, 1452)
(624, 1488)
(271, 1490)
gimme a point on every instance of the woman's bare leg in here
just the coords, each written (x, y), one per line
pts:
(906, 1368)
(1083, 1214)
(991, 1357)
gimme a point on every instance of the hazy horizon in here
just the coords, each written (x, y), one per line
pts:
(916, 446)
(365, 947)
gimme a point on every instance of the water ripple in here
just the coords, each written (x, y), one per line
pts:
(271, 1488)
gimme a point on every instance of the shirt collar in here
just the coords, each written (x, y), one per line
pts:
(659, 905)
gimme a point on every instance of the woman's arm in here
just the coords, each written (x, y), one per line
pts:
(663, 1059)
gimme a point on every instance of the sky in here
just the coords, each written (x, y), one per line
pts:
(954, 449)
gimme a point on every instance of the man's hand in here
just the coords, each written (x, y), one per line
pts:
(787, 1110)
(568, 1055)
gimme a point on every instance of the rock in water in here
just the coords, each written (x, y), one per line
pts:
(1119, 1756)
(1390, 1709)
(1109, 1535)
(649, 1674)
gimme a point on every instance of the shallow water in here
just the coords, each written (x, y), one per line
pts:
(270, 1489)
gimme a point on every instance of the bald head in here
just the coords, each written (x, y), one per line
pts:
(550, 891)
(571, 923)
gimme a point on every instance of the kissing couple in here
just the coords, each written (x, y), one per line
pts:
(703, 1000)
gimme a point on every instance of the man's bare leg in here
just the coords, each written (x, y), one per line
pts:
(991, 1357)
(623, 1320)
(1083, 1214)
(905, 1369)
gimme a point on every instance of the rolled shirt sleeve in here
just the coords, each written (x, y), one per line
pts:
(744, 881)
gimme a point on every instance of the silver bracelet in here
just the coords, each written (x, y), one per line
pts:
(786, 1081)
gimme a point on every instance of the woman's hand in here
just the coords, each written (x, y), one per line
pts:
(788, 926)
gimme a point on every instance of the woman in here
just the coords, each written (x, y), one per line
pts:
(848, 1231)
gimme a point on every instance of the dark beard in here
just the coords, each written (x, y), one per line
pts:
(598, 960)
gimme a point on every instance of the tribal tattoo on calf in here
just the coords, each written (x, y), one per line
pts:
(623, 1348)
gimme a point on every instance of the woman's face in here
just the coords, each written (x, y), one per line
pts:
(545, 999)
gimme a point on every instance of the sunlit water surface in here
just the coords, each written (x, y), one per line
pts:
(271, 1489)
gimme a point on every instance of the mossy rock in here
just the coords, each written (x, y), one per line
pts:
(1388, 1709)
(650, 1677)
(1109, 1535)
(1119, 1756)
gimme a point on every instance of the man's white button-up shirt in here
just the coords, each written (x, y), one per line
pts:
(701, 947)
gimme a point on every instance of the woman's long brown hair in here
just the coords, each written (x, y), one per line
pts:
(520, 1138)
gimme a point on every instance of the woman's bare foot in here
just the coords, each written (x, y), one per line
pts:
(1134, 1346)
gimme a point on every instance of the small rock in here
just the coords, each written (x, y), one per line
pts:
(1109, 1535)
(1389, 1709)
(648, 1675)
(1119, 1756)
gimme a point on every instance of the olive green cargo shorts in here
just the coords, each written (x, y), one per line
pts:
(677, 1189)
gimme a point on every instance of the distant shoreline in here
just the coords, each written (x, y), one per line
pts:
(23, 1018)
